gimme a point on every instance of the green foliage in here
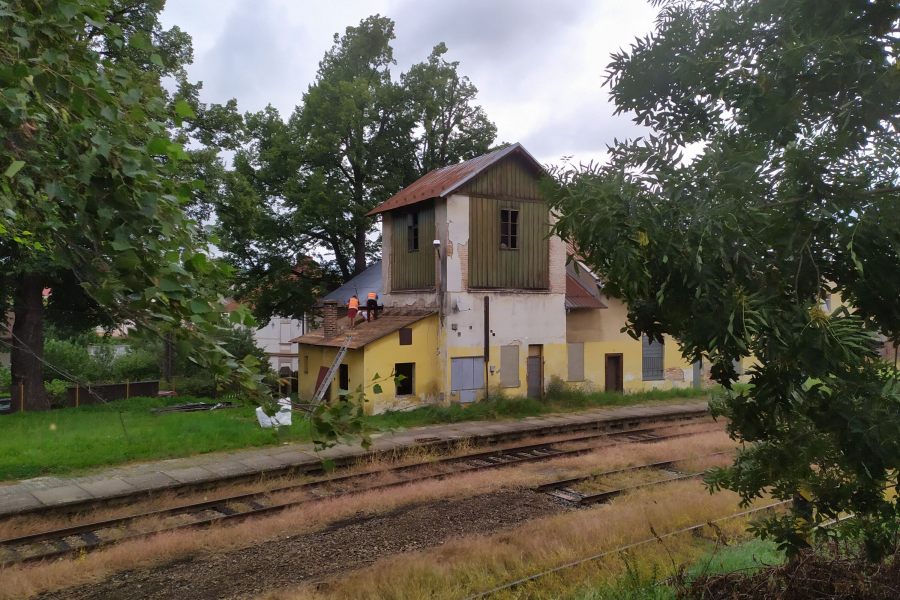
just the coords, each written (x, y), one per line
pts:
(357, 138)
(62, 441)
(5, 380)
(92, 183)
(792, 108)
(57, 394)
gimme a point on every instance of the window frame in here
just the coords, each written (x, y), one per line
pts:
(411, 379)
(509, 219)
(412, 232)
(343, 373)
(655, 375)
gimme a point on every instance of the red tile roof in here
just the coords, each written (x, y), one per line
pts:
(441, 183)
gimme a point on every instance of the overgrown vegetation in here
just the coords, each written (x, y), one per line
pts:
(560, 399)
(63, 441)
(792, 112)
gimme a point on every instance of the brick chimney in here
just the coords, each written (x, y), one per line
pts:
(330, 314)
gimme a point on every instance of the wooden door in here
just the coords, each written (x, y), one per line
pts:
(615, 375)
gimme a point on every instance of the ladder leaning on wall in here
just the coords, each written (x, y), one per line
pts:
(329, 376)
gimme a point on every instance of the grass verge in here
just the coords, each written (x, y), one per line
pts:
(73, 440)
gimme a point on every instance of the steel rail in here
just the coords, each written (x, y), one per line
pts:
(552, 485)
(93, 542)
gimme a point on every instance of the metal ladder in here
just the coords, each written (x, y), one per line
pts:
(329, 376)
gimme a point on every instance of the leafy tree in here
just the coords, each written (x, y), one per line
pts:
(793, 109)
(304, 186)
(91, 184)
(452, 128)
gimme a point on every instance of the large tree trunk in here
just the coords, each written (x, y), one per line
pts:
(28, 390)
(359, 248)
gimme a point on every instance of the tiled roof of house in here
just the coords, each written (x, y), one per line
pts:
(578, 296)
(388, 322)
(443, 182)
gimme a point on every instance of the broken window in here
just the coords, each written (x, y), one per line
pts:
(407, 386)
(344, 380)
(412, 232)
(406, 336)
(509, 229)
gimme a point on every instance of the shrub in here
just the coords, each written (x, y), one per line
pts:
(56, 393)
(5, 380)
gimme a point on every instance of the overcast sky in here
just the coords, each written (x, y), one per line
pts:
(538, 65)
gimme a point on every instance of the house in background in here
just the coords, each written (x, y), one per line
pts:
(275, 339)
(479, 298)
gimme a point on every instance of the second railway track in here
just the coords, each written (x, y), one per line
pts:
(91, 536)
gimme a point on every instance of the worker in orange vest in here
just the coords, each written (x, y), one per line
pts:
(352, 309)
(372, 306)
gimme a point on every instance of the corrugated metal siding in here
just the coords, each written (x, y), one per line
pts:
(492, 267)
(413, 270)
(509, 178)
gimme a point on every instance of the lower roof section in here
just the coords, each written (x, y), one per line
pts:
(388, 322)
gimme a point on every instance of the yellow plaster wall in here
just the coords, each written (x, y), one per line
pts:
(601, 333)
(555, 358)
(323, 356)
(381, 357)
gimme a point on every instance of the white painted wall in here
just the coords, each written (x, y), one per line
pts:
(275, 338)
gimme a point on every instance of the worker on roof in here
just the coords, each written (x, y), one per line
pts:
(372, 306)
(352, 309)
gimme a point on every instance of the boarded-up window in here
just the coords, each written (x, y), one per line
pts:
(466, 376)
(653, 359)
(406, 336)
(306, 364)
(576, 362)
(509, 366)
(509, 229)
(407, 385)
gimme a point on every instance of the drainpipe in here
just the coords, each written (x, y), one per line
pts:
(438, 287)
(487, 340)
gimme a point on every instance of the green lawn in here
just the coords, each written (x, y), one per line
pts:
(77, 439)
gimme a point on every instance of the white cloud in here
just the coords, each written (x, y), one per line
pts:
(539, 65)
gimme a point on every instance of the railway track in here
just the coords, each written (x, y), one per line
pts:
(92, 536)
(563, 489)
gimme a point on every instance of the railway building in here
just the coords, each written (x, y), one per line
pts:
(478, 298)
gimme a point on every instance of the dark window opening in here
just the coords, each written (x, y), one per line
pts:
(343, 380)
(406, 336)
(412, 232)
(407, 386)
(509, 229)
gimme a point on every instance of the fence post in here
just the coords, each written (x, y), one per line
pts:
(21, 397)
(127, 389)
(76, 395)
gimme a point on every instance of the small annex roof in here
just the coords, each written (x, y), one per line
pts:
(367, 281)
(578, 296)
(441, 183)
(365, 333)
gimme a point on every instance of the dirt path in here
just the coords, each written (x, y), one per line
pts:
(344, 546)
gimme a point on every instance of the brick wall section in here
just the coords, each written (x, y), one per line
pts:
(557, 264)
(330, 315)
(463, 251)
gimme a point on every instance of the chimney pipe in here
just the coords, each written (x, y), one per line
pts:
(330, 314)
